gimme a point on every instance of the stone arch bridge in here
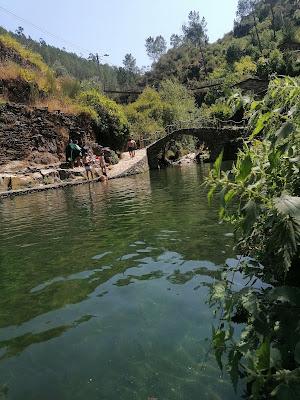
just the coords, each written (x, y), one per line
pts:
(214, 134)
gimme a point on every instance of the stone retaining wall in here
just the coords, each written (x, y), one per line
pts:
(138, 168)
(41, 177)
(37, 135)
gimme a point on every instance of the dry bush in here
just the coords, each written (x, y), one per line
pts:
(66, 106)
(9, 70)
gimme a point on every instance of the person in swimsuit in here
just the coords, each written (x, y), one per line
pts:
(131, 146)
(102, 163)
(87, 162)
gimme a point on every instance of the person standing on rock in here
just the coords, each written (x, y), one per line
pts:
(131, 147)
(102, 163)
(69, 151)
(76, 154)
(87, 162)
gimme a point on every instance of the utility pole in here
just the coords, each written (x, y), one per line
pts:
(98, 63)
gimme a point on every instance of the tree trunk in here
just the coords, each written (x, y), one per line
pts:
(273, 20)
(204, 61)
(256, 30)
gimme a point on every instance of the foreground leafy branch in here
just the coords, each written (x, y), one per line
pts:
(260, 197)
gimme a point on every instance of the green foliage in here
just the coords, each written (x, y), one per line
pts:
(33, 58)
(155, 47)
(154, 110)
(70, 87)
(245, 66)
(148, 114)
(112, 124)
(234, 52)
(260, 196)
(181, 101)
(219, 110)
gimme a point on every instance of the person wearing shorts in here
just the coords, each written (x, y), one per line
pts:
(87, 161)
(131, 147)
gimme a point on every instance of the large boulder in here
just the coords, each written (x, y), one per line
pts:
(5, 182)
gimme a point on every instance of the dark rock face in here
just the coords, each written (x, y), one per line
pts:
(20, 91)
(39, 136)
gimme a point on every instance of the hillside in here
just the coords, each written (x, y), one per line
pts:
(263, 41)
(64, 63)
(40, 112)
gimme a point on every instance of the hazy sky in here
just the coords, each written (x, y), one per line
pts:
(115, 27)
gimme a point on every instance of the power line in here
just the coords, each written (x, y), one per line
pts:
(11, 13)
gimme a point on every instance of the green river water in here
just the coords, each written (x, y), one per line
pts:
(103, 291)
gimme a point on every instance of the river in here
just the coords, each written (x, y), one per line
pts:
(104, 288)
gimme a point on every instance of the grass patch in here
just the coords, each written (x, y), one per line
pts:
(67, 106)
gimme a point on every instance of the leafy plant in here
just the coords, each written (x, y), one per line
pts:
(112, 124)
(260, 196)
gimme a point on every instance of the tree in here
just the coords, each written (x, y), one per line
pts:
(92, 57)
(129, 63)
(20, 31)
(155, 47)
(148, 114)
(112, 124)
(180, 100)
(59, 69)
(246, 8)
(195, 32)
(272, 3)
(175, 41)
(234, 52)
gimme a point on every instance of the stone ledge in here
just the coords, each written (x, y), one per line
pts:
(140, 167)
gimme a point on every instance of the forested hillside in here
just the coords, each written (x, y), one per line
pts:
(90, 71)
(264, 41)
(265, 36)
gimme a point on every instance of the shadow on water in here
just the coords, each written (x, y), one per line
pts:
(103, 290)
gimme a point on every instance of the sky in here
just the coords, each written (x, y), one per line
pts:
(113, 27)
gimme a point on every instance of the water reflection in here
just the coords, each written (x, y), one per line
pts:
(103, 290)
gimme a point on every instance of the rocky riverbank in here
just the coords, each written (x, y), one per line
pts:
(15, 181)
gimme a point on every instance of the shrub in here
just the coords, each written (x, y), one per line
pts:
(234, 52)
(114, 159)
(69, 87)
(219, 110)
(260, 196)
(112, 124)
(245, 66)
(149, 113)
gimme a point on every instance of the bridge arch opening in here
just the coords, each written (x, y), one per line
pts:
(214, 139)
